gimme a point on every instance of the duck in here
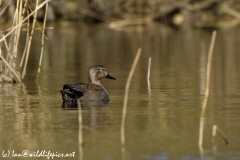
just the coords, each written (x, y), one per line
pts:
(91, 91)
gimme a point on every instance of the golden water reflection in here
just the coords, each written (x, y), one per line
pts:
(161, 123)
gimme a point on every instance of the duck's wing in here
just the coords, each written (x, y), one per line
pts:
(78, 87)
(72, 92)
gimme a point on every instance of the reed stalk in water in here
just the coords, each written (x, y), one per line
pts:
(30, 41)
(210, 53)
(126, 96)
(80, 125)
(148, 76)
(208, 74)
(43, 37)
(1, 64)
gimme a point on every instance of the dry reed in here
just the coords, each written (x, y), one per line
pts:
(126, 96)
(208, 74)
(80, 137)
(25, 19)
(11, 37)
(1, 69)
(30, 41)
(148, 75)
(43, 37)
(210, 53)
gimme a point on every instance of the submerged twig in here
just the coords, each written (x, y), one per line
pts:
(217, 130)
(7, 79)
(10, 67)
(126, 95)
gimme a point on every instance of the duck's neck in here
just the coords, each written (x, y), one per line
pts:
(94, 80)
(97, 82)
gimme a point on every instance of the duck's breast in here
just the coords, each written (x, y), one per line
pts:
(95, 96)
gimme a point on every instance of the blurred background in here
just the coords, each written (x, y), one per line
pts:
(165, 11)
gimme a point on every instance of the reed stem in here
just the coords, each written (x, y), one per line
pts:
(208, 74)
(20, 23)
(14, 33)
(30, 41)
(126, 96)
(1, 64)
(80, 137)
(43, 37)
(148, 76)
(27, 39)
(209, 62)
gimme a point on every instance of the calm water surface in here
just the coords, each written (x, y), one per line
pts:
(162, 121)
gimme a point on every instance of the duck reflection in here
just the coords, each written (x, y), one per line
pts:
(84, 104)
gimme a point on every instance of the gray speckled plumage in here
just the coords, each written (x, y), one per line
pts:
(91, 91)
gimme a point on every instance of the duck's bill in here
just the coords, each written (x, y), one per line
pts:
(109, 77)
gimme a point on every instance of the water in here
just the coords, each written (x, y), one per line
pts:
(162, 121)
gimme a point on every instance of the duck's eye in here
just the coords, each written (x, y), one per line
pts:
(101, 69)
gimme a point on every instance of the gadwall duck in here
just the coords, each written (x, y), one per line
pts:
(91, 91)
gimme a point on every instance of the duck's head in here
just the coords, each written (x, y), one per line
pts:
(97, 72)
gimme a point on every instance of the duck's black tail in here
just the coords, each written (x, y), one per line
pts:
(68, 94)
